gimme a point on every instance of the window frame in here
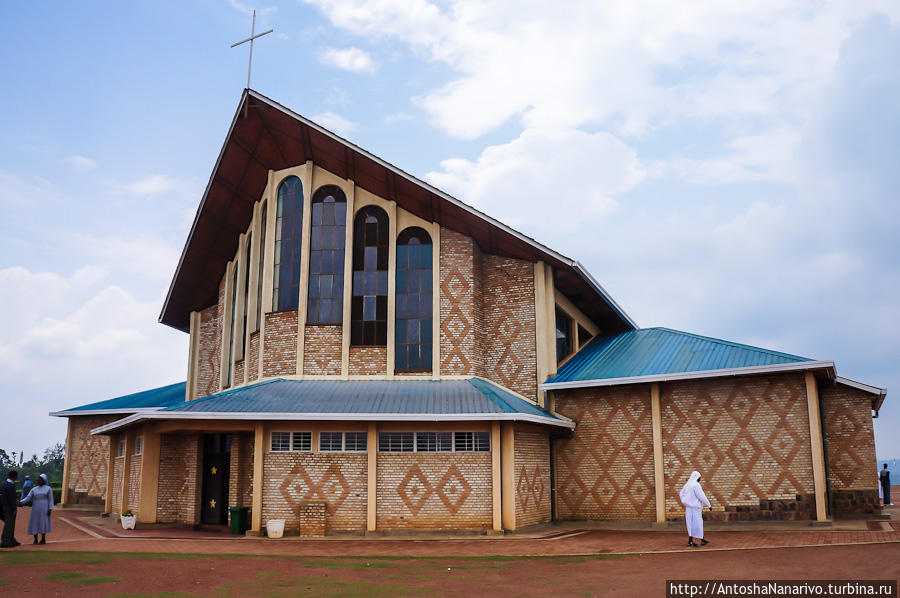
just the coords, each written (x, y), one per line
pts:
(480, 441)
(424, 324)
(291, 442)
(138, 446)
(313, 305)
(344, 444)
(370, 332)
(294, 304)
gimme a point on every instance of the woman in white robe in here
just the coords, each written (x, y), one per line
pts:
(693, 499)
(41, 500)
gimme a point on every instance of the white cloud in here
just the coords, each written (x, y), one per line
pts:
(335, 122)
(153, 185)
(80, 162)
(24, 189)
(349, 59)
(574, 174)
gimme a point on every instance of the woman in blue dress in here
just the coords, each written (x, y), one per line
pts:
(41, 500)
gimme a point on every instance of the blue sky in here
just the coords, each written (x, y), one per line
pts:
(728, 169)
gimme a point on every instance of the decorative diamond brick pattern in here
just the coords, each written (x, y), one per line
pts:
(605, 471)
(507, 323)
(849, 438)
(748, 437)
(336, 479)
(88, 460)
(209, 351)
(434, 491)
(457, 304)
(532, 462)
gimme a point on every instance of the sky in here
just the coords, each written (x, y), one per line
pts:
(725, 168)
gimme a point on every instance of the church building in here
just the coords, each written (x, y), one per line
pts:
(369, 354)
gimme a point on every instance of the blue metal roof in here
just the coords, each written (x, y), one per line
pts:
(155, 398)
(658, 351)
(472, 396)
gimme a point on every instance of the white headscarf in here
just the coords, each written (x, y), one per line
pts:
(44, 477)
(692, 481)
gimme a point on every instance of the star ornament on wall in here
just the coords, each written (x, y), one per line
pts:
(212, 504)
(214, 470)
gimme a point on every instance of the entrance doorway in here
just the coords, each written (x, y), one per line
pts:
(216, 466)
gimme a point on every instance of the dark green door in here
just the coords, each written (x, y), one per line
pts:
(216, 463)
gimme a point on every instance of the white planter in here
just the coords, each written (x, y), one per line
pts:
(128, 522)
(275, 528)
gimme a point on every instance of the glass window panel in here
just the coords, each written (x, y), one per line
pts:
(368, 308)
(331, 441)
(301, 441)
(355, 441)
(281, 441)
(564, 335)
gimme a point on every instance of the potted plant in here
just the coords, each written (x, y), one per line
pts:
(128, 519)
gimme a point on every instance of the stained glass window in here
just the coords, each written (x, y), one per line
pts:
(288, 241)
(368, 312)
(413, 321)
(326, 256)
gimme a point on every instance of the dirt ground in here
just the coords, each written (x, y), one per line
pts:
(75, 574)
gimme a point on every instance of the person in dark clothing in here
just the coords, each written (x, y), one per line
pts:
(885, 478)
(8, 506)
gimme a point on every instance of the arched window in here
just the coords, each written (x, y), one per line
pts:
(326, 256)
(368, 312)
(413, 340)
(288, 236)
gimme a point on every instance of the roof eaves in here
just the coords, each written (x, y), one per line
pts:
(723, 373)
(73, 412)
(396, 417)
(879, 393)
(598, 288)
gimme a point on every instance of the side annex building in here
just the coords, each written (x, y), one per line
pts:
(368, 354)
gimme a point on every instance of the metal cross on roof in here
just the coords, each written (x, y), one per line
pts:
(253, 36)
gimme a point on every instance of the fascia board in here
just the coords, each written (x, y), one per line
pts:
(399, 417)
(723, 373)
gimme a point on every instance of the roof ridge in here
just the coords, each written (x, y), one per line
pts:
(726, 342)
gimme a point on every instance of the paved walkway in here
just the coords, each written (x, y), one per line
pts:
(87, 531)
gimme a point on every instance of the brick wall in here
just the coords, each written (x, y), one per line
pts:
(459, 354)
(849, 437)
(134, 482)
(88, 459)
(748, 437)
(253, 357)
(434, 491)
(368, 360)
(238, 373)
(532, 481)
(240, 476)
(605, 471)
(180, 478)
(506, 319)
(118, 464)
(209, 351)
(280, 344)
(321, 350)
(337, 479)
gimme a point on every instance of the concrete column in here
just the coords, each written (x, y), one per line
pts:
(436, 301)
(307, 180)
(659, 480)
(348, 281)
(259, 447)
(496, 477)
(126, 474)
(372, 483)
(392, 288)
(508, 475)
(815, 440)
(65, 481)
(149, 490)
(113, 443)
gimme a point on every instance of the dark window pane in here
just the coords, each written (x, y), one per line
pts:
(370, 233)
(288, 226)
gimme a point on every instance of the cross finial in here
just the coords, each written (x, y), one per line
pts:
(253, 36)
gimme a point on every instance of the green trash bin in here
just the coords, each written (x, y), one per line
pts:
(238, 517)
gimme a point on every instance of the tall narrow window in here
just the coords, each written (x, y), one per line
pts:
(326, 256)
(564, 335)
(261, 265)
(243, 331)
(234, 281)
(368, 312)
(288, 234)
(413, 339)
